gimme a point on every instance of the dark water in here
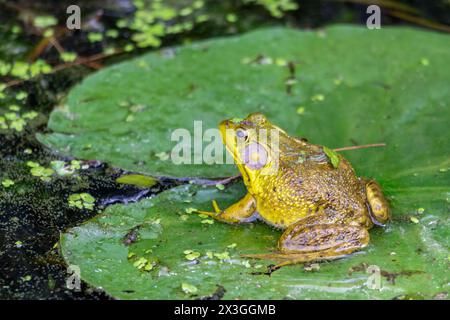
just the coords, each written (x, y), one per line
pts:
(34, 212)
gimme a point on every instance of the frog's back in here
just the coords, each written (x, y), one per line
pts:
(299, 190)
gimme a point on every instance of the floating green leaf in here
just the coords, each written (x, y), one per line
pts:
(42, 172)
(7, 183)
(69, 56)
(44, 21)
(190, 252)
(81, 201)
(189, 288)
(95, 36)
(137, 180)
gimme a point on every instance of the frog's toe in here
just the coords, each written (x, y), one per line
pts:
(216, 207)
(207, 213)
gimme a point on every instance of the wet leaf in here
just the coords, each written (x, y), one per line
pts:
(202, 255)
(137, 180)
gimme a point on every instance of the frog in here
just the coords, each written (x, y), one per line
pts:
(307, 190)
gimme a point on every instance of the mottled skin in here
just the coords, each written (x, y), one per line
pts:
(325, 211)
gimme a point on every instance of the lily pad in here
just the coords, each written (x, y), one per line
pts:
(355, 86)
(371, 84)
(406, 264)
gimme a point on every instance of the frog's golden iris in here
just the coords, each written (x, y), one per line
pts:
(326, 211)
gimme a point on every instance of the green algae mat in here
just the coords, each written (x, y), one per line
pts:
(338, 87)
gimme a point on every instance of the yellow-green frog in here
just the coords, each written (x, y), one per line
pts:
(307, 190)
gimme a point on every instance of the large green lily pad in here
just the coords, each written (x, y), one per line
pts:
(411, 261)
(353, 86)
(356, 85)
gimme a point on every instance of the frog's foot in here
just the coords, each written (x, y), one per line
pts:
(378, 205)
(315, 243)
(242, 211)
(214, 214)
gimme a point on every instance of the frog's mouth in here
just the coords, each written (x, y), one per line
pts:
(227, 130)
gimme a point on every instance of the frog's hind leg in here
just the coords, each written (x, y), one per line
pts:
(302, 243)
(378, 205)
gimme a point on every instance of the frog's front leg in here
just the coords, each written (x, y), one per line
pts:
(242, 211)
(312, 243)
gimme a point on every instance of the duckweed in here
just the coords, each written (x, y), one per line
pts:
(163, 156)
(7, 183)
(318, 97)
(222, 255)
(68, 56)
(191, 255)
(95, 37)
(188, 288)
(276, 7)
(190, 210)
(414, 219)
(44, 21)
(81, 201)
(333, 156)
(220, 186)
(43, 173)
(21, 95)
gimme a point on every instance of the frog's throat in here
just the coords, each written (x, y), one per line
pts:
(239, 165)
(244, 173)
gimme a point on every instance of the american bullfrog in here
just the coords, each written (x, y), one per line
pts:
(307, 190)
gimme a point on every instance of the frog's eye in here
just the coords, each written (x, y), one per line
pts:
(242, 134)
(254, 156)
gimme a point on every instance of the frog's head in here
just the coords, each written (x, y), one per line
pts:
(253, 143)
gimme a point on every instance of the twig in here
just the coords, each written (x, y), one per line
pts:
(420, 21)
(63, 66)
(54, 41)
(402, 11)
(388, 4)
(44, 43)
(226, 181)
(56, 44)
(364, 146)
